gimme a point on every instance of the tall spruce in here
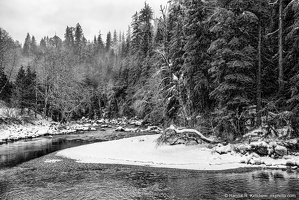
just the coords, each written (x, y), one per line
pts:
(108, 42)
(20, 88)
(196, 59)
(26, 46)
(232, 67)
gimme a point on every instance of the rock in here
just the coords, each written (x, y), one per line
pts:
(223, 149)
(192, 142)
(270, 150)
(247, 159)
(180, 141)
(243, 160)
(257, 161)
(297, 162)
(252, 162)
(242, 148)
(273, 144)
(120, 128)
(291, 144)
(281, 150)
(268, 163)
(290, 162)
(260, 147)
(254, 155)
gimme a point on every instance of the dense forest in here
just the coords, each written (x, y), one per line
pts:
(222, 66)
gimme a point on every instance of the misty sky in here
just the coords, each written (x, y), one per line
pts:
(47, 17)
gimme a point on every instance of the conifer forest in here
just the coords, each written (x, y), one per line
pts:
(221, 66)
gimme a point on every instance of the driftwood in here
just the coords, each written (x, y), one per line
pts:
(186, 131)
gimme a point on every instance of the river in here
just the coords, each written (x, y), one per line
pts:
(25, 174)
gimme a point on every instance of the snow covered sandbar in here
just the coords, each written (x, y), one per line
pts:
(142, 150)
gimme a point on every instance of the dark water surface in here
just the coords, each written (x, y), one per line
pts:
(67, 179)
(14, 153)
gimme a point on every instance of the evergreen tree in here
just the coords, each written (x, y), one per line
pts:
(27, 44)
(114, 41)
(196, 59)
(43, 44)
(100, 43)
(78, 42)
(20, 87)
(33, 45)
(136, 34)
(233, 62)
(69, 38)
(108, 42)
(5, 87)
(145, 18)
(30, 90)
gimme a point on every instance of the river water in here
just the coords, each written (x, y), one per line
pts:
(69, 180)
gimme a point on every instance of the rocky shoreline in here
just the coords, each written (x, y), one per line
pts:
(15, 132)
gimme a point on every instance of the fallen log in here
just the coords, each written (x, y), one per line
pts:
(172, 131)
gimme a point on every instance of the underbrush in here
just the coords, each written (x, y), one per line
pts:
(13, 116)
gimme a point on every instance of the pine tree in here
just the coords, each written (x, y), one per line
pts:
(5, 87)
(69, 38)
(100, 43)
(20, 87)
(114, 41)
(196, 59)
(33, 45)
(26, 47)
(136, 35)
(145, 17)
(108, 42)
(30, 91)
(233, 62)
(78, 42)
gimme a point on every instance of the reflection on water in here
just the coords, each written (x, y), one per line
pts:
(119, 182)
(15, 153)
(266, 184)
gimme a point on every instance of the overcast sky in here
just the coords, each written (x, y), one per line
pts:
(47, 17)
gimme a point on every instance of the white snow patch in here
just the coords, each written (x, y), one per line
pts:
(52, 160)
(142, 150)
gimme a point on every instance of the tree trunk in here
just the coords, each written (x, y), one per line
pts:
(259, 71)
(202, 137)
(280, 50)
(35, 113)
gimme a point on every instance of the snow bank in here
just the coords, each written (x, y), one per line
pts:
(142, 150)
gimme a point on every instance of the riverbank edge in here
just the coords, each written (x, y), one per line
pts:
(39, 162)
(227, 162)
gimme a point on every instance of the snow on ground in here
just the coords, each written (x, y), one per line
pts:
(142, 150)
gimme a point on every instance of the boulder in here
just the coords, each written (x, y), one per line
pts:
(119, 129)
(290, 162)
(252, 161)
(242, 148)
(270, 150)
(257, 161)
(260, 147)
(291, 144)
(273, 144)
(281, 150)
(243, 160)
(223, 149)
(192, 142)
(180, 141)
(254, 155)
